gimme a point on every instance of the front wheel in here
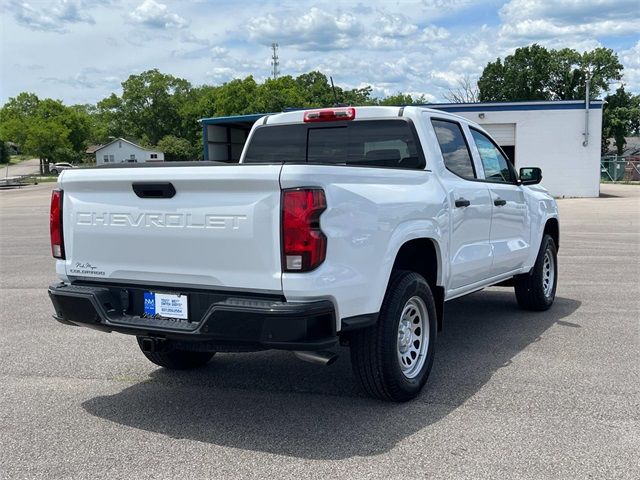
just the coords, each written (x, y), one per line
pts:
(174, 359)
(393, 358)
(536, 290)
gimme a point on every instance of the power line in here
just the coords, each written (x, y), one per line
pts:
(275, 63)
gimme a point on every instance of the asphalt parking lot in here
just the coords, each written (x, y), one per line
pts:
(512, 394)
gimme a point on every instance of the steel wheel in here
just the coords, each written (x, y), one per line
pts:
(548, 273)
(413, 337)
(536, 290)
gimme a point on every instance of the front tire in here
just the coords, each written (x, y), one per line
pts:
(536, 290)
(393, 358)
(174, 359)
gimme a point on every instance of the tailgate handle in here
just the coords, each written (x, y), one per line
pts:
(154, 190)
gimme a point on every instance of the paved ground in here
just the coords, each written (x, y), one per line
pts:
(28, 167)
(512, 394)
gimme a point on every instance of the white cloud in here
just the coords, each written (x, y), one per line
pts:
(156, 15)
(394, 25)
(557, 19)
(433, 33)
(569, 11)
(446, 79)
(314, 30)
(51, 17)
(631, 60)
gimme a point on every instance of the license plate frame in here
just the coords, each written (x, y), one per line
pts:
(166, 305)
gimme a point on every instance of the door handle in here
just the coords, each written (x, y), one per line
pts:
(499, 202)
(462, 202)
(154, 190)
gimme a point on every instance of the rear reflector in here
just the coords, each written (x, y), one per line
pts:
(55, 224)
(330, 115)
(304, 246)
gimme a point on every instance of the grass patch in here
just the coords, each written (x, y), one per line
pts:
(35, 179)
(621, 182)
(14, 159)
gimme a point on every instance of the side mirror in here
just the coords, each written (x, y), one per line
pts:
(530, 176)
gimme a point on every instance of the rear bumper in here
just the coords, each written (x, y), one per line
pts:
(220, 320)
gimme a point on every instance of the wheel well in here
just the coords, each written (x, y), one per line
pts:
(552, 227)
(420, 256)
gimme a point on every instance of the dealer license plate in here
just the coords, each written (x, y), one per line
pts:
(166, 305)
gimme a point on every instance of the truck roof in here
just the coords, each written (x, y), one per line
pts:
(364, 112)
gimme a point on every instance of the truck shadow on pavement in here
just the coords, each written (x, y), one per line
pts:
(271, 402)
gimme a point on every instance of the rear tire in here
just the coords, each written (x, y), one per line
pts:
(536, 290)
(393, 358)
(174, 359)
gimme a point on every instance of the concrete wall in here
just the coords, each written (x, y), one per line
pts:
(552, 140)
(122, 152)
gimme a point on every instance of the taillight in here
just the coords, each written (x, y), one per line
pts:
(55, 224)
(330, 115)
(304, 246)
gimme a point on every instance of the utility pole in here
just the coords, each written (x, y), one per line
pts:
(586, 109)
(275, 71)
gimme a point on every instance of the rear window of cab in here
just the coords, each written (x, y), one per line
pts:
(370, 143)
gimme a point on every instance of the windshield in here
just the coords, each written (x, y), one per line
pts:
(374, 143)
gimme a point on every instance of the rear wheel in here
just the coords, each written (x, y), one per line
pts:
(536, 290)
(174, 359)
(393, 358)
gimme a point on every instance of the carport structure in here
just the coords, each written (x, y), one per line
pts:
(224, 137)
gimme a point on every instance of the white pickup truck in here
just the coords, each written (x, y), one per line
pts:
(339, 225)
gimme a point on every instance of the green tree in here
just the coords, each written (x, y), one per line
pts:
(109, 114)
(15, 115)
(535, 73)
(621, 118)
(315, 89)
(401, 99)
(45, 128)
(277, 95)
(150, 105)
(237, 97)
(177, 149)
(48, 140)
(522, 76)
(4, 152)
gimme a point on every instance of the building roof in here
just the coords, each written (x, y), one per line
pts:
(93, 148)
(232, 119)
(127, 141)
(515, 106)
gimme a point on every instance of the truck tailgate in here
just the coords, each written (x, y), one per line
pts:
(220, 229)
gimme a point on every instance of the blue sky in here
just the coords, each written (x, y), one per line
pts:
(81, 50)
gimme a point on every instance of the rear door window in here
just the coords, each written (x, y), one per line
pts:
(373, 143)
(453, 146)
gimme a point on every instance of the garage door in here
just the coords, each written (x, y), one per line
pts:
(502, 133)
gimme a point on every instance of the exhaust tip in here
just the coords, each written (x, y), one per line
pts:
(318, 358)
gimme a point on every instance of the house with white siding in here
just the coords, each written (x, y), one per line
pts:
(121, 150)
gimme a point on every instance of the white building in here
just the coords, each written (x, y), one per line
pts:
(121, 151)
(555, 136)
